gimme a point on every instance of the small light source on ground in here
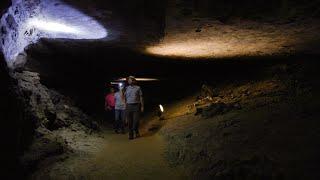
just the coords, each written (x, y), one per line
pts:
(161, 108)
(160, 112)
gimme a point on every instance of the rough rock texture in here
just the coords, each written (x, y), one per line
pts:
(50, 109)
(273, 136)
(33, 117)
(215, 109)
(45, 145)
(204, 29)
(127, 23)
(49, 112)
(13, 39)
(4, 5)
(50, 147)
(254, 9)
(27, 21)
(16, 128)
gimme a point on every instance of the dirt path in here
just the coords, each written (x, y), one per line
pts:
(117, 158)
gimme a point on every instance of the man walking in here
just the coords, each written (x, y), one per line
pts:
(135, 105)
(120, 109)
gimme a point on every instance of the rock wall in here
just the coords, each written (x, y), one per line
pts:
(27, 21)
(50, 109)
(15, 128)
(30, 113)
(49, 112)
(13, 22)
(4, 4)
(251, 9)
(145, 18)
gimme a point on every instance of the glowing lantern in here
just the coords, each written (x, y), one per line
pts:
(161, 108)
(160, 112)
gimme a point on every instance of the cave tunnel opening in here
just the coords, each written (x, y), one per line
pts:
(84, 72)
(258, 59)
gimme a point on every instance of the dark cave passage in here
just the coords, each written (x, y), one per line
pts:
(238, 82)
(83, 73)
(83, 76)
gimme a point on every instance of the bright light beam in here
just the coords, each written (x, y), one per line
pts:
(52, 19)
(140, 79)
(53, 26)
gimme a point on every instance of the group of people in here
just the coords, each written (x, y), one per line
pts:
(126, 104)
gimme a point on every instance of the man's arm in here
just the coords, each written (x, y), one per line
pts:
(142, 104)
(141, 101)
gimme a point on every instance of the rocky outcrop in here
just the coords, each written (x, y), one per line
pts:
(45, 112)
(30, 114)
(49, 108)
(15, 126)
(273, 129)
(26, 22)
(13, 27)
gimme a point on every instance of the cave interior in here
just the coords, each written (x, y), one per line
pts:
(259, 58)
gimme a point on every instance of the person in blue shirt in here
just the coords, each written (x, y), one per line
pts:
(120, 110)
(134, 106)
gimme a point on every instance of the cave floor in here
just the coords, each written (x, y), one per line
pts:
(113, 156)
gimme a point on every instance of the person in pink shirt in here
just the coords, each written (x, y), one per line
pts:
(110, 101)
(109, 105)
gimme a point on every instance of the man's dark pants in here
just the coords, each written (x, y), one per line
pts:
(133, 117)
(120, 116)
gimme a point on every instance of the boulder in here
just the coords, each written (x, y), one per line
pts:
(49, 145)
(215, 109)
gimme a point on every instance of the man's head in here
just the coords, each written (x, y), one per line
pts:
(131, 80)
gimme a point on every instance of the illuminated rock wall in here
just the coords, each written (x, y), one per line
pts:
(26, 21)
(14, 35)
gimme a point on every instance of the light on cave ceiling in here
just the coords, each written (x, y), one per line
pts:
(52, 26)
(51, 19)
